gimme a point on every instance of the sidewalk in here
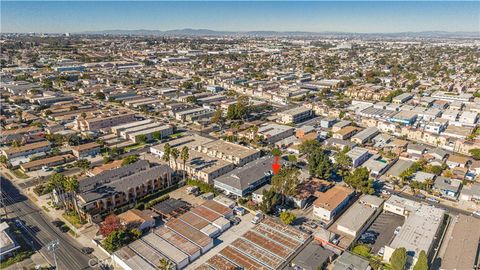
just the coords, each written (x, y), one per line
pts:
(84, 234)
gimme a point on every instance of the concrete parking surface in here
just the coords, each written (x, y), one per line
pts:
(385, 226)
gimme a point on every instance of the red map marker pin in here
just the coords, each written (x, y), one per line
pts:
(276, 166)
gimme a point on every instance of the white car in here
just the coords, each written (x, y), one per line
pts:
(476, 214)
(397, 230)
(381, 251)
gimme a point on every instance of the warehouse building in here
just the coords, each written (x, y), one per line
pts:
(269, 245)
(354, 219)
(295, 115)
(422, 225)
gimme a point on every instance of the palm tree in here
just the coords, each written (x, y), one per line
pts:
(165, 264)
(184, 155)
(167, 152)
(71, 186)
(174, 153)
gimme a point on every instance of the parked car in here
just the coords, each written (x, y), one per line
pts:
(433, 200)
(476, 214)
(397, 230)
(239, 211)
(420, 195)
(193, 190)
(235, 220)
(257, 218)
(381, 251)
(87, 250)
(58, 223)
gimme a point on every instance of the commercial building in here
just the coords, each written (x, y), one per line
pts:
(354, 219)
(47, 162)
(365, 135)
(345, 133)
(295, 115)
(331, 202)
(402, 98)
(85, 150)
(272, 133)
(422, 226)
(463, 245)
(149, 134)
(118, 129)
(358, 156)
(7, 243)
(104, 121)
(449, 96)
(26, 150)
(246, 179)
(404, 117)
(269, 245)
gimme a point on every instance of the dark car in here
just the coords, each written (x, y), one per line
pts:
(58, 223)
(64, 229)
(235, 220)
(87, 250)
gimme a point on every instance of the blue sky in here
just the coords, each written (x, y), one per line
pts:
(344, 16)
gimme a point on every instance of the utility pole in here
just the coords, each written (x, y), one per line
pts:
(52, 247)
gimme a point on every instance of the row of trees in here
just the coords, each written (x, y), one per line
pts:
(66, 188)
(170, 152)
(398, 260)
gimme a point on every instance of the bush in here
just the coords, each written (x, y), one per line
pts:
(362, 250)
(157, 194)
(155, 201)
(287, 217)
(117, 239)
(204, 187)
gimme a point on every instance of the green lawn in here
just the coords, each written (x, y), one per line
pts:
(73, 218)
(133, 147)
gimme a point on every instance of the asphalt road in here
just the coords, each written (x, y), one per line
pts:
(451, 210)
(40, 231)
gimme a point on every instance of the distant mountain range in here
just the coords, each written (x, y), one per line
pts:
(208, 32)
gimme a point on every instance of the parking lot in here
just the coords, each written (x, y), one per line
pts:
(384, 227)
(181, 194)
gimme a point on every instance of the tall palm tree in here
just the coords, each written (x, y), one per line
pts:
(71, 186)
(166, 152)
(174, 153)
(184, 155)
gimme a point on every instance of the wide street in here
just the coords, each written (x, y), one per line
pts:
(39, 229)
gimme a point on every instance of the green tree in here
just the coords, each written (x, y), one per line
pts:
(398, 260)
(285, 182)
(83, 164)
(292, 158)
(269, 200)
(129, 160)
(309, 146)
(3, 159)
(192, 99)
(184, 155)
(360, 180)
(342, 159)
(276, 152)
(142, 138)
(174, 154)
(166, 152)
(157, 135)
(319, 165)
(422, 261)
(71, 187)
(475, 153)
(217, 117)
(287, 217)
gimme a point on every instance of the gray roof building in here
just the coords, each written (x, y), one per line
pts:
(350, 261)
(312, 257)
(246, 179)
